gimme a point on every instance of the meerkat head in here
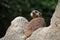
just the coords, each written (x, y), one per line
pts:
(35, 14)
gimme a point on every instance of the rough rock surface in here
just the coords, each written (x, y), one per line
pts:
(16, 29)
(49, 33)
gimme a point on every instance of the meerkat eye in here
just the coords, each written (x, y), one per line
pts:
(33, 12)
(36, 11)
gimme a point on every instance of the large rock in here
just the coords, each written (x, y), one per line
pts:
(16, 29)
(49, 33)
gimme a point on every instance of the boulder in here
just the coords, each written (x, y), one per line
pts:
(16, 29)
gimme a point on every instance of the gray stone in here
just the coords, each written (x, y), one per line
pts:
(16, 29)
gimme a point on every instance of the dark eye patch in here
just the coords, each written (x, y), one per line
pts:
(33, 12)
(36, 11)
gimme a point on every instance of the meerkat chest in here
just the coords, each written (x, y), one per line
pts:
(35, 23)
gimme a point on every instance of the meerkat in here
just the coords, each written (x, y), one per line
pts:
(37, 22)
